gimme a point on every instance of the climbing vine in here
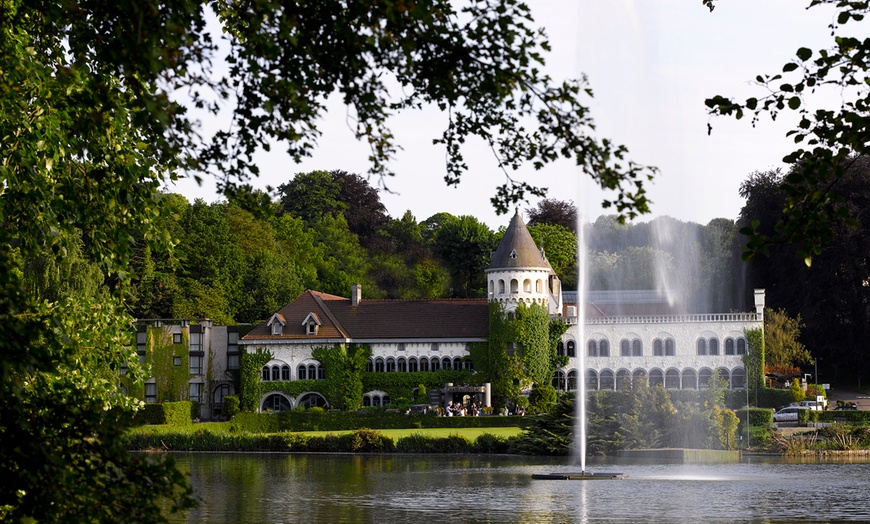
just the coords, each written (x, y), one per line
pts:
(169, 364)
(753, 360)
(251, 364)
(343, 366)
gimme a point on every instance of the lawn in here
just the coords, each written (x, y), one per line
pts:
(396, 434)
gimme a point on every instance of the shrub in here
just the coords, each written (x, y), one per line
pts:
(231, 406)
(369, 441)
(489, 443)
(172, 413)
(542, 398)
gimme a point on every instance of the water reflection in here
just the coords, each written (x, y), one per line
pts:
(281, 488)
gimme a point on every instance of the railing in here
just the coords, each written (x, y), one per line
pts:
(673, 319)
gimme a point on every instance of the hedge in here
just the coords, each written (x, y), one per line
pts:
(849, 417)
(171, 413)
(361, 441)
(342, 421)
(762, 417)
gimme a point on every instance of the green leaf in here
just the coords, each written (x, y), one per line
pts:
(794, 102)
(804, 54)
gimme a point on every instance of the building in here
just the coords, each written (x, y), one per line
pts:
(190, 359)
(626, 335)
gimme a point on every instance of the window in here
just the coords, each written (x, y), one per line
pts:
(195, 365)
(702, 346)
(624, 348)
(321, 374)
(379, 365)
(670, 348)
(741, 346)
(276, 328)
(636, 348)
(515, 286)
(446, 363)
(607, 380)
(412, 365)
(501, 286)
(729, 346)
(391, 365)
(176, 338)
(714, 346)
(265, 372)
(176, 361)
(402, 365)
(311, 328)
(150, 393)
(285, 372)
(435, 346)
(672, 379)
(195, 340)
(301, 372)
(141, 343)
(195, 392)
(276, 373)
(591, 379)
(123, 370)
(424, 364)
(232, 347)
(591, 349)
(402, 347)
(312, 372)
(435, 364)
(527, 286)
(658, 348)
(572, 348)
(220, 392)
(370, 365)
(560, 348)
(603, 348)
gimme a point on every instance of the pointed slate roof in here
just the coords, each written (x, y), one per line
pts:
(517, 249)
(380, 319)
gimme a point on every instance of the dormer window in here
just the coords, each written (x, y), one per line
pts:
(513, 253)
(276, 324)
(311, 324)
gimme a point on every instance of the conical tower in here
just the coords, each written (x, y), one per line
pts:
(520, 273)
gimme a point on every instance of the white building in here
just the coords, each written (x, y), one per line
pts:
(628, 334)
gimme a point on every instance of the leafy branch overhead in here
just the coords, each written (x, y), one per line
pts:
(827, 139)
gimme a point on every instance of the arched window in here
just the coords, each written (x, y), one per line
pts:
(527, 285)
(391, 365)
(457, 363)
(738, 378)
(729, 346)
(591, 349)
(603, 348)
(714, 346)
(379, 365)
(704, 378)
(367, 401)
(741, 346)
(376, 401)
(572, 380)
(402, 365)
(690, 380)
(591, 379)
(638, 374)
(702, 346)
(424, 364)
(220, 392)
(725, 375)
(560, 348)
(572, 348)
(321, 373)
(276, 373)
(607, 379)
(515, 286)
(491, 287)
(501, 286)
(435, 364)
(624, 348)
(301, 372)
(559, 382)
(623, 379)
(539, 286)
(672, 379)
(658, 348)
(656, 377)
(446, 363)
(285, 372)
(266, 374)
(386, 399)
(412, 365)
(370, 365)
(312, 372)
(670, 348)
(636, 348)
(468, 365)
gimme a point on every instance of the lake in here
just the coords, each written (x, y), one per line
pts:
(424, 489)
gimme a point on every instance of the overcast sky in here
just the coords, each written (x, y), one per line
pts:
(651, 64)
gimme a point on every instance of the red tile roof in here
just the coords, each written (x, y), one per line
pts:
(381, 319)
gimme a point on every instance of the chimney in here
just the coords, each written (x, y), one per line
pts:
(355, 294)
(759, 303)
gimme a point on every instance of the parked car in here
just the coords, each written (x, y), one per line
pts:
(788, 414)
(848, 406)
(807, 404)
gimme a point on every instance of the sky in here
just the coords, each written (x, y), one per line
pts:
(651, 64)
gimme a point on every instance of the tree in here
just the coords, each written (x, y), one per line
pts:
(554, 212)
(782, 346)
(560, 247)
(464, 246)
(92, 125)
(827, 139)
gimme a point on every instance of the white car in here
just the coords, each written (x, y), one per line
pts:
(808, 404)
(788, 414)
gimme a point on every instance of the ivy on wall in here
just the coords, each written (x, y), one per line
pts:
(401, 384)
(251, 364)
(160, 356)
(753, 360)
(343, 366)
